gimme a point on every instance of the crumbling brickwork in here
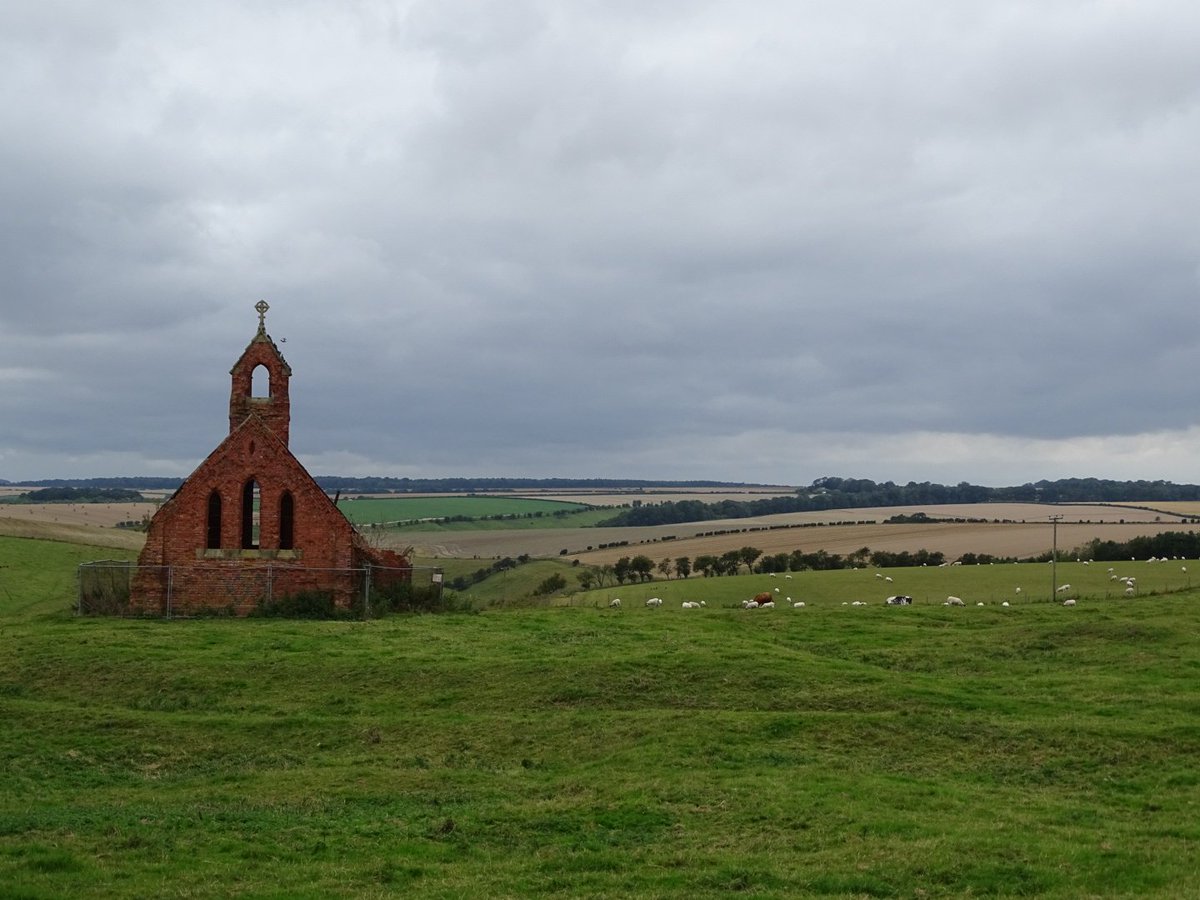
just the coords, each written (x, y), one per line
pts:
(249, 503)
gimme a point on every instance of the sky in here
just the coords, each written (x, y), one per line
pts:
(760, 242)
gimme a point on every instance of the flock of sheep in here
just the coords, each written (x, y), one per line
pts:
(766, 599)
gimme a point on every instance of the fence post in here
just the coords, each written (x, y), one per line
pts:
(170, 575)
(79, 584)
(367, 593)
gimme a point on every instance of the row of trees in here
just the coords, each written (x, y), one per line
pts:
(77, 495)
(1168, 543)
(641, 568)
(850, 493)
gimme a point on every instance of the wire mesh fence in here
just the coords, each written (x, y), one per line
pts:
(120, 588)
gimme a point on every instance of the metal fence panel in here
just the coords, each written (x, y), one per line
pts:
(119, 588)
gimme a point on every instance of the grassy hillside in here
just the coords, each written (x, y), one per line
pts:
(989, 584)
(923, 752)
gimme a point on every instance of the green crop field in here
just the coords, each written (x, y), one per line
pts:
(370, 510)
(568, 752)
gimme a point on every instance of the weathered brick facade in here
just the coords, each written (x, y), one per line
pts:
(250, 522)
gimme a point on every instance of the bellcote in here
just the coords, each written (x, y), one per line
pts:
(252, 394)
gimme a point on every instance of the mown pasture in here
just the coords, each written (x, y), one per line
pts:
(919, 752)
(990, 584)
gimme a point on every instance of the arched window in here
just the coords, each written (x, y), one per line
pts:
(260, 382)
(212, 540)
(250, 502)
(287, 513)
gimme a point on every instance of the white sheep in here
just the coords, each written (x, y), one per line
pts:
(614, 603)
(1062, 588)
(1018, 590)
(770, 604)
(980, 603)
(1005, 603)
(799, 604)
(955, 601)
(888, 579)
(1129, 591)
(1070, 601)
(654, 602)
(688, 604)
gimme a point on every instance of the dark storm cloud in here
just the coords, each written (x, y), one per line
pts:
(930, 241)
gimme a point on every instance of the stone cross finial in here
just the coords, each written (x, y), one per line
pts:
(262, 308)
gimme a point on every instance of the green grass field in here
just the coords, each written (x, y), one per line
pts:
(370, 510)
(990, 584)
(918, 752)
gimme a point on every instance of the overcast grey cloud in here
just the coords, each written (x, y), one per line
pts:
(764, 241)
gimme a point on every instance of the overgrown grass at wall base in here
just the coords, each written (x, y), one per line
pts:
(314, 604)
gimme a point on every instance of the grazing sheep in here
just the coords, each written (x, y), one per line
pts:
(1070, 601)
(980, 603)
(654, 602)
(878, 574)
(1062, 588)
(1129, 591)
(788, 577)
(898, 600)
(1005, 603)
(703, 604)
(770, 604)
(888, 579)
(1018, 590)
(955, 601)
(614, 603)
(688, 604)
(799, 604)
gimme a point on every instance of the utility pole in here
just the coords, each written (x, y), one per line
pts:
(1054, 520)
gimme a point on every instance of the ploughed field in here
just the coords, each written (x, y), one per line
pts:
(832, 751)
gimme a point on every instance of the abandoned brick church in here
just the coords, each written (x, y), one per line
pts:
(250, 523)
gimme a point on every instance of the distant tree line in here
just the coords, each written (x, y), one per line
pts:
(637, 569)
(77, 495)
(1168, 543)
(856, 493)
(384, 485)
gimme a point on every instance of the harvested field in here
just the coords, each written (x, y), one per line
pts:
(101, 515)
(72, 533)
(1022, 529)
